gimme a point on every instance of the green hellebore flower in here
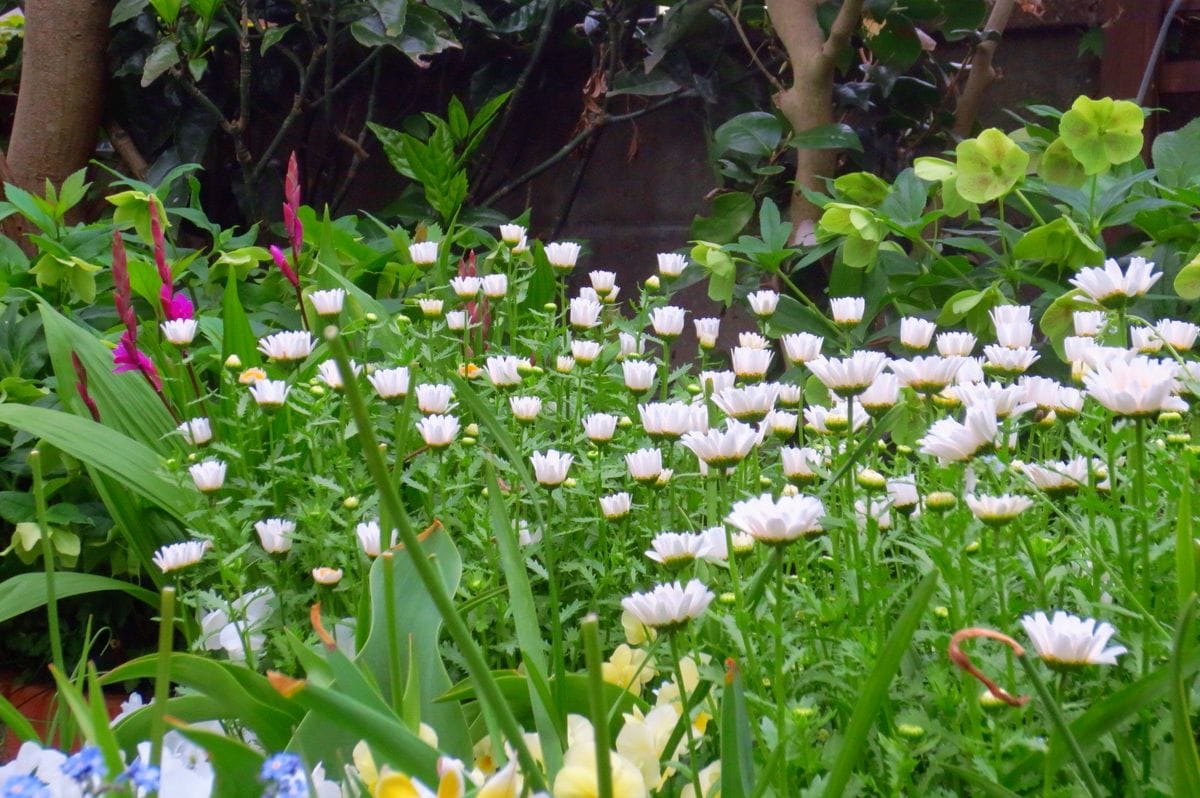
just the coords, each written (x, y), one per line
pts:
(1059, 166)
(1102, 133)
(989, 165)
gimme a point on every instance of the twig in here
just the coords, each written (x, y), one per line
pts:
(750, 50)
(579, 138)
(982, 73)
(518, 90)
(360, 154)
(1156, 51)
(293, 114)
(125, 147)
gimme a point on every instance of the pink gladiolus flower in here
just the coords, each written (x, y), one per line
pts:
(177, 306)
(127, 357)
(284, 266)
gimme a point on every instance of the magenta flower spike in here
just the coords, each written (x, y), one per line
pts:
(284, 266)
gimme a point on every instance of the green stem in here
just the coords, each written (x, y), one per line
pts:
(595, 666)
(395, 679)
(687, 717)
(476, 664)
(39, 500)
(1061, 726)
(162, 674)
(777, 685)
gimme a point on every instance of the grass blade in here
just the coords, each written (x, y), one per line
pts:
(875, 688)
(1187, 758)
(25, 592)
(737, 757)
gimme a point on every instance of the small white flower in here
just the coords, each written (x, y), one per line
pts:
(679, 548)
(955, 344)
(616, 505)
(196, 431)
(629, 345)
(564, 364)
(287, 346)
(602, 282)
(671, 264)
(916, 333)
(600, 427)
(801, 348)
(790, 394)
(1010, 314)
(752, 340)
(327, 576)
(781, 422)
(877, 511)
(424, 253)
(707, 330)
(434, 398)
(667, 321)
(209, 475)
(669, 605)
(328, 302)
(749, 403)
(563, 255)
(716, 381)
(521, 247)
(275, 534)
(751, 363)
(174, 556)
(1057, 477)
(800, 464)
(438, 431)
(1179, 335)
(390, 384)
(1009, 400)
(550, 467)
(331, 375)
(763, 303)
(881, 394)
(1069, 641)
(835, 419)
(778, 522)
(951, 441)
(525, 408)
(847, 311)
(180, 332)
(430, 308)
(370, 538)
(1135, 386)
(672, 419)
(513, 233)
(504, 371)
(585, 351)
(638, 374)
(465, 286)
(1003, 360)
(585, 313)
(1112, 288)
(495, 286)
(722, 448)
(1145, 340)
(456, 320)
(998, 510)
(902, 493)
(270, 393)
(926, 375)
(1089, 322)
(848, 376)
(1014, 334)
(645, 465)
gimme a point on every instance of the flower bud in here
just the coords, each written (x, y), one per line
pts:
(652, 283)
(471, 430)
(233, 363)
(350, 502)
(371, 317)
(910, 731)
(871, 479)
(940, 501)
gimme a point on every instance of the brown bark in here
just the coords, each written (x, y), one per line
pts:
(61, 96)
(808, 102)
(982, 73)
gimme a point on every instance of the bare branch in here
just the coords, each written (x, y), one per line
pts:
(741, 32)
(844, 26)
(982, 74)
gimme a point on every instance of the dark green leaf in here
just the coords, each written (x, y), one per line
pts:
(754, 133)
(836, 136)
(730, 214)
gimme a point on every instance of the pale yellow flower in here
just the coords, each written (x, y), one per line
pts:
(636, 632)
(643, 740)
(628, 668)
(709, 778)
(505, 783)
(578, 779)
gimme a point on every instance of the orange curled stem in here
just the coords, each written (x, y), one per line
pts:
(959, 658)
(314, 615)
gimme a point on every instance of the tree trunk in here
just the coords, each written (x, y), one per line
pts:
(807, 104)
(61, 96)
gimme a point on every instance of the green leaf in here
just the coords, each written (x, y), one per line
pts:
(26, 592)
(731, 213)
(392, 13)
(131, 463)
(237, 338)
(16, 723)
(1059, 242)
(737, 740)
(168, 10)
(207, 8)
(161, 58)
(835, 136)
(862, 188)
(236, 766)
(870, 699)
(755, 133)
(1185, 545)
(29, 207)
(1187, 281)
(774, 231)
(273, 36)
(126, 10)
(1056, 322)
(1186, 756)
(1177, 156)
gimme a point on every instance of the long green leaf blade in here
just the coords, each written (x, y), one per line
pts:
(25, 592)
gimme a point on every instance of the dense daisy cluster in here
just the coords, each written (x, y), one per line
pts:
(798, 453)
